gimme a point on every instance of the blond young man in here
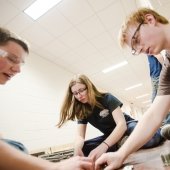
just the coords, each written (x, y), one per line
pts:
(144, 31)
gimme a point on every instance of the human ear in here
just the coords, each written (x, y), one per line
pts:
(150, 19)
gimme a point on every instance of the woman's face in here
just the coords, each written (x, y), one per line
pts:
(11, 57)
(79, 91)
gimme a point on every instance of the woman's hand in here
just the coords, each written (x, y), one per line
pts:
(98, 151)
(78, 152)
(75, 163)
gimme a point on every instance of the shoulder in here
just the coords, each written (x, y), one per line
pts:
(108, 97)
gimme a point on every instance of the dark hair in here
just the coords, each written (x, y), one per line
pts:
(6, 36)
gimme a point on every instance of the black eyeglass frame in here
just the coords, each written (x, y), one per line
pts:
(79, 92)
(133, 50)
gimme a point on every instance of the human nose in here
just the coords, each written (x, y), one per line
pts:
(79, 94)
(16, 68)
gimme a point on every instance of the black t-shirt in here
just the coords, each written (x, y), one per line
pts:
(102, 119)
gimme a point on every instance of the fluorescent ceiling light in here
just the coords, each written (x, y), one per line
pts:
(148, 105)
(145, 3)
(148, 101)
(144, 95)
(115, 67)
(134, 86)
(40, 7)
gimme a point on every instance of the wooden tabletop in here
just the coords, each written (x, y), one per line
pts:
(149, 159)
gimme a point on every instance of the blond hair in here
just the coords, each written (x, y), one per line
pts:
(73, 109)
(135, 18)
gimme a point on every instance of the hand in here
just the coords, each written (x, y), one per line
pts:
(78, 152)
(112, 160)
(75, 163)
(97, 152)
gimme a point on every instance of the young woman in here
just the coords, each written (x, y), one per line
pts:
(103, 111)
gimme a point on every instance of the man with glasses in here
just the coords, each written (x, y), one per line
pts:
(144, 31)
(13, 51)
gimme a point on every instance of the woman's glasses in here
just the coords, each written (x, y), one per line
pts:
(80, 91)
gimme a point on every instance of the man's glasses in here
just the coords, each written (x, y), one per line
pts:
(80, 91)
(11, 57)
(135, 41)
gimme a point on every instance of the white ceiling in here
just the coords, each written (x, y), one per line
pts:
(81, 37)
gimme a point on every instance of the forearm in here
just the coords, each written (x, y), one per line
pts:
(11, 158)
(79, 142)
(139, 136)
(116, 134)
(146, 127)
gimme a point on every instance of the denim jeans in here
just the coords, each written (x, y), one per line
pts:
(156, 140)
(91, 144)
(16, 145)
(155, 82)
(167, 119)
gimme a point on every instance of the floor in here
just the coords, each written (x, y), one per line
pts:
(149, 159)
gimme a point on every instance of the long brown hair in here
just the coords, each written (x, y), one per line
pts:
(73, 109)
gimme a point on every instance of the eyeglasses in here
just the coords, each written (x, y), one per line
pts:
(13, 59)
(80, 91)
(135, 42)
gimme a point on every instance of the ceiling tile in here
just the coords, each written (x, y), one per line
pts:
(37, 35)
(20, 23)
(76, 10)
(100, 4)
(8, 12)
(102, 40)
(72, 38)
(91, 27)
(57, 24)
(112, 16)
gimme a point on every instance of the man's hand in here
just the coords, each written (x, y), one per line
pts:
(110, 160)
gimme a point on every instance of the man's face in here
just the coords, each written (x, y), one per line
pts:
(11, 57)
(145, 38)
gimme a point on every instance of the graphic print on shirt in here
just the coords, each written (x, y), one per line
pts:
(104, 113)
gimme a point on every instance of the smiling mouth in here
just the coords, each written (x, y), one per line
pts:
(8, 76)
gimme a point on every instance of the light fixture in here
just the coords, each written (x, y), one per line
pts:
(40, 7)
(134, 86)
(115, 67)
(141, 96)
(148, 105)
(145, 3)
(148, 101)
